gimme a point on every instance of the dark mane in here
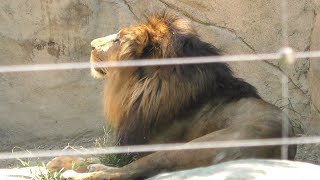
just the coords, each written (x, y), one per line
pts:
(155, 96)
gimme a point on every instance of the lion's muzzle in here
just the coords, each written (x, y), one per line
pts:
(100, 46)
(104, 43)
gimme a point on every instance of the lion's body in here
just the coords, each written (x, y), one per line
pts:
(158, 101)
(178, 103)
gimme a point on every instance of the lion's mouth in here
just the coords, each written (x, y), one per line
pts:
(99, 70)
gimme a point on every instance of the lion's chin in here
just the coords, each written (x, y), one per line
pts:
(97, 74)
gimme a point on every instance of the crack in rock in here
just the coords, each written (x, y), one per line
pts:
(131, 10)
(282, 72)
(205, 23)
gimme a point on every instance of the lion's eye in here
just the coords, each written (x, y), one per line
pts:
(116, 40)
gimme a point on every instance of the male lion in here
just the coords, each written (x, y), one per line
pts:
(177, 103)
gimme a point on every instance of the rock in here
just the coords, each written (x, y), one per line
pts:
(240, 169)
(314, 73)
(249, 169)
(21, 173)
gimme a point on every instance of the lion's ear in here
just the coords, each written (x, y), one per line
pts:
(142, 40)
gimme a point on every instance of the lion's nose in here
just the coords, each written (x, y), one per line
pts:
(95, 43)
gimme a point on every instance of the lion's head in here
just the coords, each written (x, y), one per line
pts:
(141, 100)
(162, 36)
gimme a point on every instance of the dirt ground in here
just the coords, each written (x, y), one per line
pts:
(309, 153)
(53, 144)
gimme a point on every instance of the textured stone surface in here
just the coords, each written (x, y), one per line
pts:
(249, 170)
(46, 106)
(241, 169)
(314, 79)
(22, 173)
(57, 104)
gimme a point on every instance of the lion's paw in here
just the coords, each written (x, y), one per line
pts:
(68, 175)
(73, 175)
(64, 163)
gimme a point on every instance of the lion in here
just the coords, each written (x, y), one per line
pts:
(177, 103)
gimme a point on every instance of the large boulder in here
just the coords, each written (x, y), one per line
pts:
(253, 169)
(248, 170)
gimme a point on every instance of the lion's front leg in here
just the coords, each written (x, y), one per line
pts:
(163, 161)
(64, 163)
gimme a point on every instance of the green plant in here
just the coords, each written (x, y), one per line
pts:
(113, 160)
(117, 160)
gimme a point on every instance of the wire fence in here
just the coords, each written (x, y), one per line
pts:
(159, 62)
(163, 147)
(285, 54)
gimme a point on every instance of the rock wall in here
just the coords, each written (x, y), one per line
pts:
(51, 105)
(314, 73)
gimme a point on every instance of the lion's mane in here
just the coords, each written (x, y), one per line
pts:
(140, 101)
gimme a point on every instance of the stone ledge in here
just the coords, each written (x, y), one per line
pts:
(20, 173)
(241, 169)
(249, 169)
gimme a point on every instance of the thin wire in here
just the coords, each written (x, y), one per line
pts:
(153, 62)
(132, 63)
(163, 147)
(305, 55)
(285, 80)
(285, 120)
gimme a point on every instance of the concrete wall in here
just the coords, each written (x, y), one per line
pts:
(46, 106)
